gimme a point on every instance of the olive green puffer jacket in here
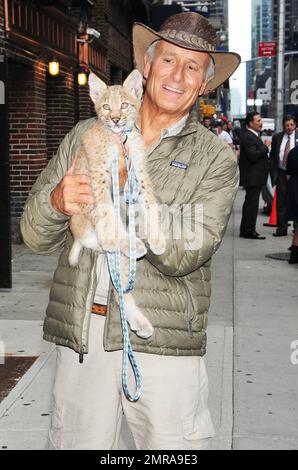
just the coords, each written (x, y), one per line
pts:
(173, 290)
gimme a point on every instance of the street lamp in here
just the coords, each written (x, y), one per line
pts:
(82, 78)
(54, 67)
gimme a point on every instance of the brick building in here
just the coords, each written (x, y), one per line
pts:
(42, 108)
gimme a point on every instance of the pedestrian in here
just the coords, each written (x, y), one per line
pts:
(233, 134)
(282, 143)
(292, 200)
(253, 173)
(188, 166)
(207, 122)
(223, 135)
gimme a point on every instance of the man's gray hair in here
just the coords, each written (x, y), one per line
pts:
(209, 72)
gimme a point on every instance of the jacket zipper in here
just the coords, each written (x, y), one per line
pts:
(87, 314)
(108, 313)
(190, 308)
(190, 326)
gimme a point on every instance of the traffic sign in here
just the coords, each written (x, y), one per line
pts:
(267, 49)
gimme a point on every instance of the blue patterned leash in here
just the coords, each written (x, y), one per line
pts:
(131, 193)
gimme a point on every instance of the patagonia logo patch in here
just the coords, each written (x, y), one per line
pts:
(180, 165)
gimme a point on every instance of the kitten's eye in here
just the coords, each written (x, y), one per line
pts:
(124, 105)
(106, 107)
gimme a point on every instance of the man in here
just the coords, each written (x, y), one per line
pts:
(253, 173)
(233, 134)
(230, 128)
(292, 200)
(223, 135)
(282, 143)
(207, 122)
(188, 166)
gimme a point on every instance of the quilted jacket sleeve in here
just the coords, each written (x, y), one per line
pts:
(215, 195)
(44, 229)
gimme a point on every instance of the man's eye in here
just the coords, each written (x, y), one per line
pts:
(192, 68)
(124, 105)
(106, 107)
(167, 60)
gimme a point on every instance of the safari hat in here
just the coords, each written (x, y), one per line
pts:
(190, 31)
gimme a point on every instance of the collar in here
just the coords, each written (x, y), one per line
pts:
(253, 131)
(289, 135)
(186, 125)
(192, 122)
(175, 128)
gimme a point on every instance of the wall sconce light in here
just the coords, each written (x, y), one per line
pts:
(53, 67)
(82, 78)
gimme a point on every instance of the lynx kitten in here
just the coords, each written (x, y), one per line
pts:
(97, 226)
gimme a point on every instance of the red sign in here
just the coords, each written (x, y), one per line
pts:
(267, 49)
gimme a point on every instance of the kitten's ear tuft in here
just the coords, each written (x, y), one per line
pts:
(134, 84)
(96, 87)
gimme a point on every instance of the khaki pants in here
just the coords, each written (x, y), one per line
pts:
(88, 400)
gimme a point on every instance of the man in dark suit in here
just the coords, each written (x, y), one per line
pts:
(282, 143)
(254, 167)
(292, 200)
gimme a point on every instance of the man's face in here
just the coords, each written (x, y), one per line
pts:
(207, 122)
(256, 124)
(289, 126)
(175, 77)
(229, 125)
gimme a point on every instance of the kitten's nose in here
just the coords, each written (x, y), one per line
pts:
(115, 120)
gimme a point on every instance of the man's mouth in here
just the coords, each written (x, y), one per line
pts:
(174, 90)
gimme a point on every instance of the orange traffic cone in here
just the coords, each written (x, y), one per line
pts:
(273, 215)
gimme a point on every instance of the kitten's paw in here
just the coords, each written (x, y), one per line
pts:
(110, 244)
(72, 261)
(138, 322)
(146, 332)
(140, 248)
(158, 246)
(143, 328)
(74, 254)
(125, 247)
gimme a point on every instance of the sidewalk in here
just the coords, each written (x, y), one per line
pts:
(265, 325)
(252, 381)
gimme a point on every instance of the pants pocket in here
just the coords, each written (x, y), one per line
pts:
(56, 426)
(198, 427)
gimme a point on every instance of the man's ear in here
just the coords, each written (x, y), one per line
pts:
(134, 84)
(147, 65)
(203, 88)
(96, 87)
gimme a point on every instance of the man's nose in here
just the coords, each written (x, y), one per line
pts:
(177, 72)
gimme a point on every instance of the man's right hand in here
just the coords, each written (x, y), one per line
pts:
(72, 191)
